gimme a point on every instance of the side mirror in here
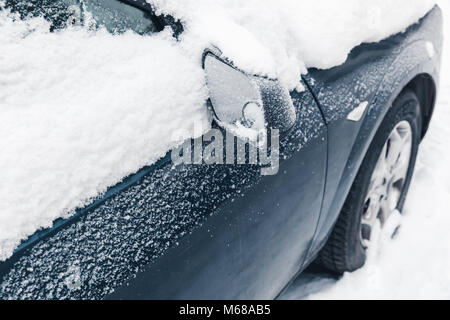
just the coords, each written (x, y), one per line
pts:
(245, 103)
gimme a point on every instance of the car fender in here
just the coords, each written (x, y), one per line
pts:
(397, 62)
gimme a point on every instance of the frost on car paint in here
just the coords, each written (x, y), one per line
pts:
(83, 108)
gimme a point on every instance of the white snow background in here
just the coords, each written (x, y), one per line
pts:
(81, 109)
(415, 265)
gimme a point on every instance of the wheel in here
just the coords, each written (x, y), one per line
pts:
(380, 187)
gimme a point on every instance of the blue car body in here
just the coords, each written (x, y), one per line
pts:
(225, 231)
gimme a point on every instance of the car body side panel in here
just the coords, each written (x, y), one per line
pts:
(220, 231)
(374, 73)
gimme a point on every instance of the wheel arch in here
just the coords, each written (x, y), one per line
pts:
(425, 88)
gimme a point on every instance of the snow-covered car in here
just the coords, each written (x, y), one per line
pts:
(340, 145)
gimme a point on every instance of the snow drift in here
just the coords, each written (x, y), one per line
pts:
(82, 109)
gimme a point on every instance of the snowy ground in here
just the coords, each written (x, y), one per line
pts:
(416, 265)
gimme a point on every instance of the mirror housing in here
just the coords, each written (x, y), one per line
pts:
(234, 92)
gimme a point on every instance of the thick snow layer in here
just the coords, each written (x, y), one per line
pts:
(281, 38)
(80, 110)
(416, 265)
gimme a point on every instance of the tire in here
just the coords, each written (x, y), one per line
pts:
(345, 250)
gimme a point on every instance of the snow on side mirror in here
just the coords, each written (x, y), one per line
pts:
(246, 104)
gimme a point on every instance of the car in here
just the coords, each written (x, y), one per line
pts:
(343, 152)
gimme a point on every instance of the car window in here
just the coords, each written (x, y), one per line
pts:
(117, 16)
